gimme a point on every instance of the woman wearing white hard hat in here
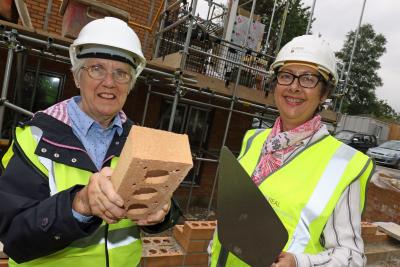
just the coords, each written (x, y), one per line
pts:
(317, 183)
(57, 204)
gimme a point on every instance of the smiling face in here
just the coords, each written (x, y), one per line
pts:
(102, 99)
(295, 103)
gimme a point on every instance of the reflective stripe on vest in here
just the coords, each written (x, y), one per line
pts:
(249, 142)
(115, 237)
(47, 163)
(304, 212)
(123, 239)
(321, 195)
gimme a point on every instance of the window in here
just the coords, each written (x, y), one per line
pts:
(47, 91)
(367, 139)
(263, 120)
(193, 121)
(357, 138)
(27, 95)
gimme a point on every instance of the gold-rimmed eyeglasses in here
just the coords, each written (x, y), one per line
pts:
(98, 72)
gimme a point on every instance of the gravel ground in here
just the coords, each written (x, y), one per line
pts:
(395, 262)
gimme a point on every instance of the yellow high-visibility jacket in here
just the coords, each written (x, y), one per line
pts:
(124, 245)
(305, 190)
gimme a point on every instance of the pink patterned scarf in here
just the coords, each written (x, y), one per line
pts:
(281, 143)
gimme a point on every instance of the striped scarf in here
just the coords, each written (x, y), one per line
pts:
(280, 144)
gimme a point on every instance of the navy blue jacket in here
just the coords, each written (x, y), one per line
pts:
(33, 223)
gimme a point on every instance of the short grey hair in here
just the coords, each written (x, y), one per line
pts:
(81, 62)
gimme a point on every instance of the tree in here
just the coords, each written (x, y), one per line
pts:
(386, 112)
(295, 24)
(360, 97)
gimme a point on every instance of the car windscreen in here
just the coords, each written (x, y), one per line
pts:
(393, 145)
(344, 135)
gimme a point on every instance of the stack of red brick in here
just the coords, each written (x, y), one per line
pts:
(380, 248)
(187, 247)
(371, 234)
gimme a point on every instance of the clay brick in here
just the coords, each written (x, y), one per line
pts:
(152, 165)
(368, 228)
(161, 252)
(196, 259)
(199, 229)
(382, 205)
(188, 245)
(377, 237)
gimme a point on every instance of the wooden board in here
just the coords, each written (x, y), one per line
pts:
(23, 13)
(390, 228)
(113, 11)
(20, 28)
(171, 61)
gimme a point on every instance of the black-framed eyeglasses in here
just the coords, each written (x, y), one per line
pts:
(306, 80)
(98, 72)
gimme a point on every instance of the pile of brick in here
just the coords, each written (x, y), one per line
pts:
(187, 246)
(382, 205)
(380, 249)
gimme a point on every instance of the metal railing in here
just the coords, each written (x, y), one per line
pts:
(212, 56)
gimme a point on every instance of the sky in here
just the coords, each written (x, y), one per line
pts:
(335, 18)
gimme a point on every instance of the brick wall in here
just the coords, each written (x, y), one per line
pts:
(139, 10)
(187, 247)
(382, 205)
(238, 127)
(37, 11)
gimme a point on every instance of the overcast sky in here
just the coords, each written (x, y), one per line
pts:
(334, 19)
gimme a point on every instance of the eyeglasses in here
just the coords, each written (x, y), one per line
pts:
(306, 80)
(98, 72)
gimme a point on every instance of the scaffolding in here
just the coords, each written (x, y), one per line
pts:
(217, 55)
(208, 54)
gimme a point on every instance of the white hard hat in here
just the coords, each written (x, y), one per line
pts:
(109, 38)
(309, 49)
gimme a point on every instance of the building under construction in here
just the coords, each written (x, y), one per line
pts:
(200, 78)
(206, 76)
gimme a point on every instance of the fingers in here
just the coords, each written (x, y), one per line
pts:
(155, 217)
(104, 201)
(107, 188)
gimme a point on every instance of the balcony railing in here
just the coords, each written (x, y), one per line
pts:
(211, 56)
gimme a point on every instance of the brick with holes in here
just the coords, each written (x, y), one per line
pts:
(152, 164)
(161, 252)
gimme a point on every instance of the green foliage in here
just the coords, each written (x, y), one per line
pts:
(360, 97)
(295, 24)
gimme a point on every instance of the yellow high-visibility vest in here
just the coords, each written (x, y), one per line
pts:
(305, 190)
(124, 244)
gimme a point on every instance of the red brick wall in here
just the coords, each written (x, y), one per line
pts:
(238, 127)
(382, 205)
(139, 11)
(37, 11)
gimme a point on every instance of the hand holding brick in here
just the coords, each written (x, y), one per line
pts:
(152, 165)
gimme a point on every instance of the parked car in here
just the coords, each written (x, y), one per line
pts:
(387, 153)
(359, 141)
